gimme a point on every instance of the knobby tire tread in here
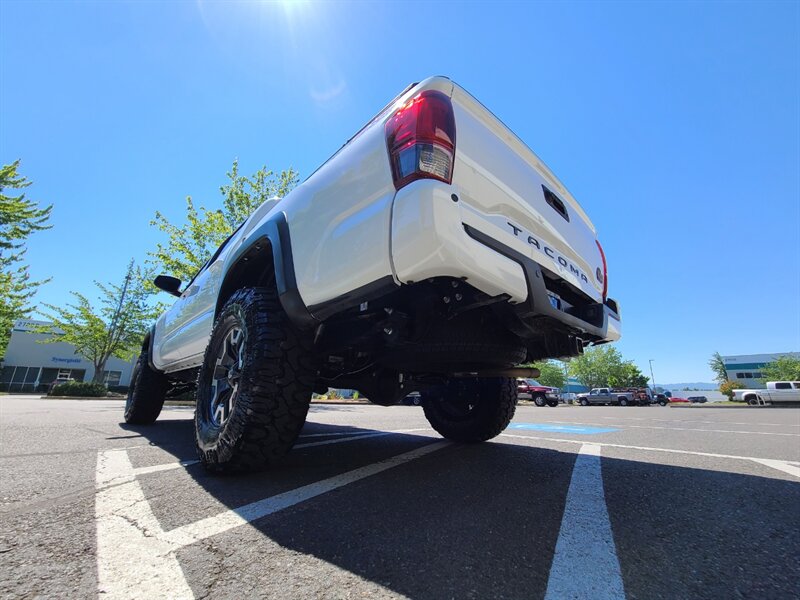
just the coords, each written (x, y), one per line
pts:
(275, 390)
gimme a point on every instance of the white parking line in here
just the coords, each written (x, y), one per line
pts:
(781, 465)
(787, 465)
(331, 434)
(704, 422)
(353, 436)
(131, 561)
(188, 534)
(340, 440)
(585, 563)
(136, 557)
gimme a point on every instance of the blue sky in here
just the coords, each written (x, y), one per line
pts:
(676, 125)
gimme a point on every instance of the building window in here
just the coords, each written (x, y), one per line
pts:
(112, 377)
(758, 375)
(748, 375)
(19, 379)
(740, 376)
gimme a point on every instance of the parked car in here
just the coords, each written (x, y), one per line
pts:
(413, 399)
(569, 397)
(661, 399)
(541, 395)
(679, 400)
(698, 399)
(58, 381)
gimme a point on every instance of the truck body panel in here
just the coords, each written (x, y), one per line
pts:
(505, 225)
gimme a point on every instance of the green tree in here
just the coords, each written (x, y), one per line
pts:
(627, 374)
(784, 368)
(595, 366)
(551, 373)
(190, 244)
(114, 326)
(717, 365)
(19, 218)
(603, 366)
(727, 387)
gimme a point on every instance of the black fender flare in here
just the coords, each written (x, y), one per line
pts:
(272, 234)
(147, 346)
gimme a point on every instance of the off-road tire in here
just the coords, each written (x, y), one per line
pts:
(471, 410)
(146, 393)
(274, 390)
(540, 400)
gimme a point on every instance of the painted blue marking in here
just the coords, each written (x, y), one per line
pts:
(580, 429)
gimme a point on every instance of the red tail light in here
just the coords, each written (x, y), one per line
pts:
(604, 279)
(421, 138)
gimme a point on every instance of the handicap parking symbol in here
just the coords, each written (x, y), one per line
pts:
(553, 428)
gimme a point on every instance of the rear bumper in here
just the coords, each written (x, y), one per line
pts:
(430, 238)
(601, 322)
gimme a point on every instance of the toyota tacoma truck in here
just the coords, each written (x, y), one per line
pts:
(776, 392)
(433, 252)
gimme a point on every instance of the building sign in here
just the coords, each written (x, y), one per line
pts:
(57, 359)
(30, 325)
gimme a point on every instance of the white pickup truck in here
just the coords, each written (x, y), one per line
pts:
(433, 252)
(776, 392)
(622, 397)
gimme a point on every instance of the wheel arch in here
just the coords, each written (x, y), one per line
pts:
(265, 255)
(147, 346)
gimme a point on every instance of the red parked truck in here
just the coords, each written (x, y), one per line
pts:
(542, 395)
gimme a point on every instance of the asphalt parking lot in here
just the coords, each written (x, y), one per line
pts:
(571, 502)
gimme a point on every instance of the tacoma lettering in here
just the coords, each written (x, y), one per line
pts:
(549, 252)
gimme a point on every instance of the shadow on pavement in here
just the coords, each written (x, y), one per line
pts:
(481, 521)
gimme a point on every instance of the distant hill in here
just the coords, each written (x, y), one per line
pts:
(696, 385)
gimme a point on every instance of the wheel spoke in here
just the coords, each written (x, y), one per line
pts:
(226, 376)
(232, 346)
(223, 386)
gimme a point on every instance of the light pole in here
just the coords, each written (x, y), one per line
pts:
(653, 377)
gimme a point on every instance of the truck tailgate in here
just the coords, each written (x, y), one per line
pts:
(509, 194)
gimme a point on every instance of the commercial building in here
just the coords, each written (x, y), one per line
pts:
(30, 365)
(745, 369)
(573, 386)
